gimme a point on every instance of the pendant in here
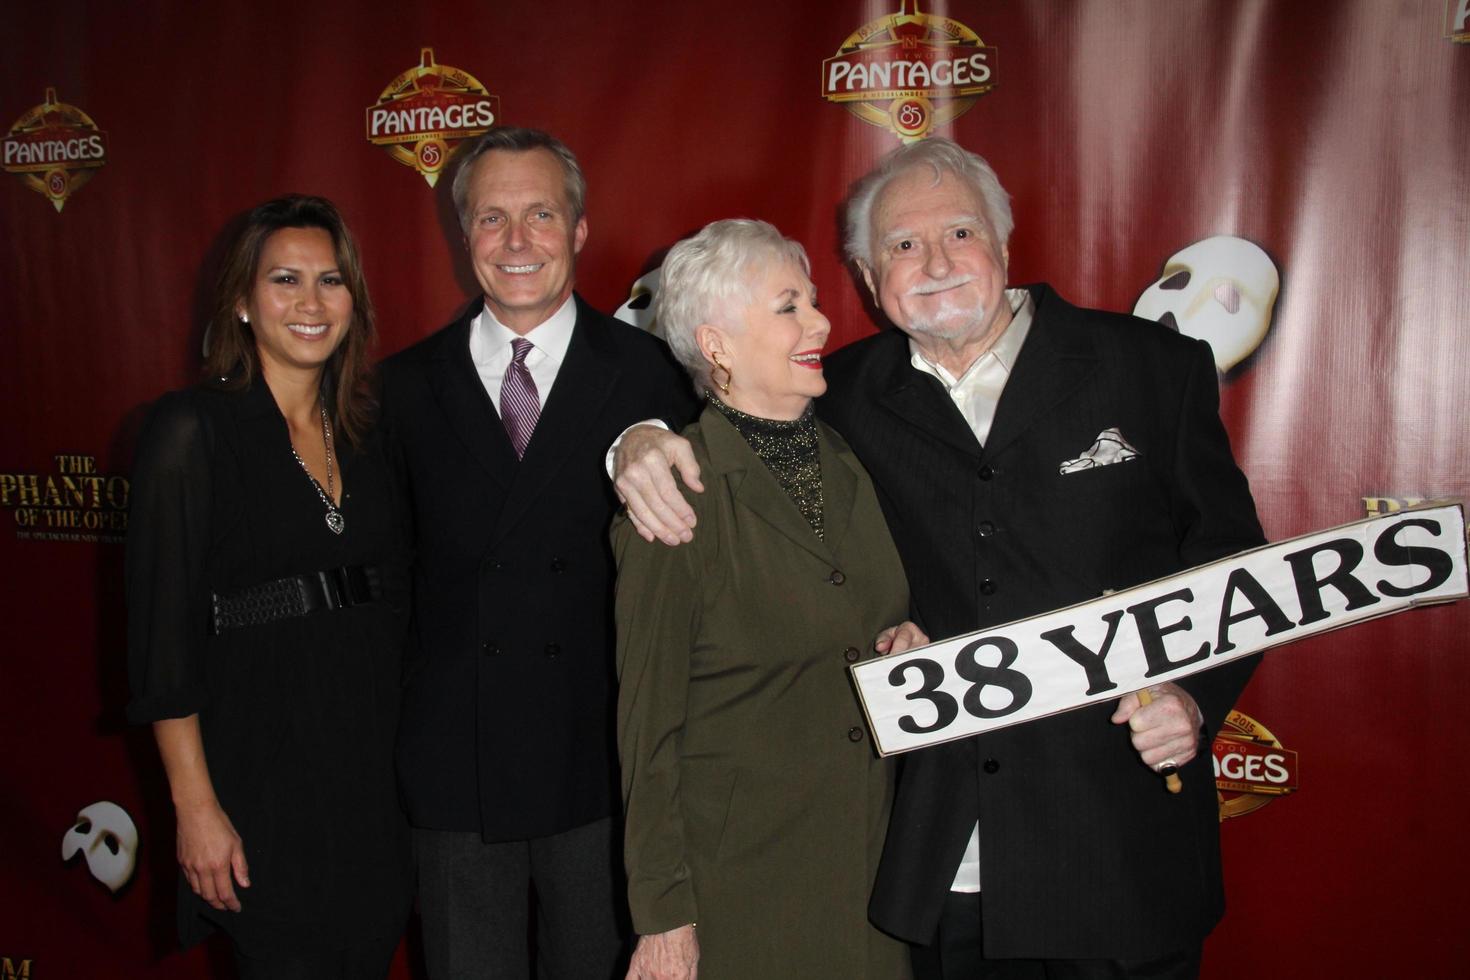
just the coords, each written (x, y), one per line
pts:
(335, 522)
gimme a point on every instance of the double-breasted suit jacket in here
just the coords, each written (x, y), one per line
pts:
(507, 718)
(756, 805)
(1082, 853)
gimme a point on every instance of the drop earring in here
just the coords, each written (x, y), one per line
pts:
(724, 386)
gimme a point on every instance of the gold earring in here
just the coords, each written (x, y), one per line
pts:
(724, 386)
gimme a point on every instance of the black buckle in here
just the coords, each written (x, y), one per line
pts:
(332, 583)
(358, 584)
(343, 587)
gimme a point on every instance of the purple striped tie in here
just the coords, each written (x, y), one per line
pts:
(520, 406)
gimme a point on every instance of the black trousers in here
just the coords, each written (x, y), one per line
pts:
(474, 903)
(958, 954)
(368, 961)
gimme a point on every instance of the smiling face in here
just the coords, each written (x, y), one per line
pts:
(299, 306)
(774, 350)
(522, 235)
(937, 270)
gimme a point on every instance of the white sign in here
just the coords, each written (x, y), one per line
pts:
(1104, 648)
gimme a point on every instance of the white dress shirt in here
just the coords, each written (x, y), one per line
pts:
(491, 353)
(976, 394)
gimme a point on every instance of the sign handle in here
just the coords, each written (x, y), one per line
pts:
(1169, 772)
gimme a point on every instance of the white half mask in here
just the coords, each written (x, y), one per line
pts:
(105, 835)
(1221, 290)
(639, 309)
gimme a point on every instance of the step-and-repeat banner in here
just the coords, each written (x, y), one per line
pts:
(1289, 181)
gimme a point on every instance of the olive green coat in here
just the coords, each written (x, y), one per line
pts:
(755, 803)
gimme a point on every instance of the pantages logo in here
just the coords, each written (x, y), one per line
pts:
(75, 503)
(1457, 21)
(909, 71)
(1251, 767)
(426, 111)
(55, 148)
(1376, 506)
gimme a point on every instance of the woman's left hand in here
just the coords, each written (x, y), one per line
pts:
(897, 639)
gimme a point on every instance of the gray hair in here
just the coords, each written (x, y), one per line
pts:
(514, 139)
(708, 278)
(940, 155)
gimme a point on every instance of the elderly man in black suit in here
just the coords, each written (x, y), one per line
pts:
(1049, 849)
(506, 753)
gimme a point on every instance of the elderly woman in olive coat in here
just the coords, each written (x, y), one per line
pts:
(756, 806)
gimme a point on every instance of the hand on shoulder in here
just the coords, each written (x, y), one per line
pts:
(643, 474)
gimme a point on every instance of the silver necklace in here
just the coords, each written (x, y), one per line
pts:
(335, 523)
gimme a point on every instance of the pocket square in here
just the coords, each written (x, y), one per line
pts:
(1110, 447)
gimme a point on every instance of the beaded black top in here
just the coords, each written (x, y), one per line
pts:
(789, 450)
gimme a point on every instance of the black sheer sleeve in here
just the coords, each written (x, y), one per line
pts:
(168, 542)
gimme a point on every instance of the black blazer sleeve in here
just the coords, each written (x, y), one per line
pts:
(1214, 516)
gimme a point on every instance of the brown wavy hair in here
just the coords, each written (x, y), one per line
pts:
(231, 361)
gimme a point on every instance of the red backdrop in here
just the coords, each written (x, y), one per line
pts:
(1334, 136)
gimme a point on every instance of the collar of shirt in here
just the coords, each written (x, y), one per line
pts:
(977, 392)
(491, 353)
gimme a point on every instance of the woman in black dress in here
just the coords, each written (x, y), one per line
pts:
(265, 573)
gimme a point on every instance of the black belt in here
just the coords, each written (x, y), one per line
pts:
(297, 595)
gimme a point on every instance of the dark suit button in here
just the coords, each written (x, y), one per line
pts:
(851, 655)
(987, 587)
(490, 649)
(494, 564)
(552, 649)
(854, 734)
(986, 529)
(557, 565)
(985, 472)
(992, 767)
(836, 578)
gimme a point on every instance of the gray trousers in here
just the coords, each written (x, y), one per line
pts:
(475, 904)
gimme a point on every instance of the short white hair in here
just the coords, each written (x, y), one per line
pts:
(711, 278)
(941, 156)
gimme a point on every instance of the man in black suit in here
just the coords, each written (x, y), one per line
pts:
(506, 754)
(1028, 454)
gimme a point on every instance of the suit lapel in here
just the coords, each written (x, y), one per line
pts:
(839, 489)
(1055, 360)
(583, 385)
(467, 407)
(754, 487)
(920, 401)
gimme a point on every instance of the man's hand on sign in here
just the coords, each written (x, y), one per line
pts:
(643, 460)
(1167, 729)
(897, 639)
